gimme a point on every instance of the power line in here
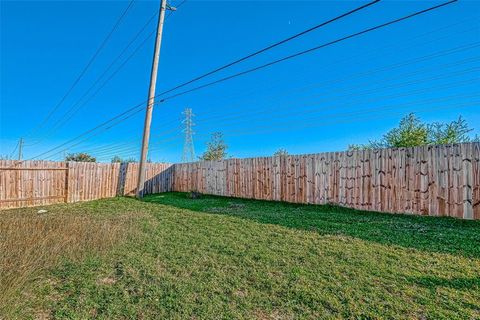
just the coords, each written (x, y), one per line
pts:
(106, 147)
(73, 111)
(361, 93)
(84, 70)
(292, 111)
(308, 50)
(59, 124)
(140, 106)
(77, 106)
(15, 149)
(352, 118)
(176, 7)
(123, 146)
(161, 145)
(378, 110)
(125, 113)
(134, 150)
(371, 55)
(408, 62)
(271, 46)
(269, 64)
(403, 76)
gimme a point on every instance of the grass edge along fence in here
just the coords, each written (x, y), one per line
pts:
(441, 180)
(33, 183)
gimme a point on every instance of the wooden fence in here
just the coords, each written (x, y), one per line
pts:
(431, 180)
(32, 183)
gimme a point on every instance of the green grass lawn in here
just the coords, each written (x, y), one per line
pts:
(223, 258)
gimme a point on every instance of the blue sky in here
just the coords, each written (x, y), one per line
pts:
(347, 93)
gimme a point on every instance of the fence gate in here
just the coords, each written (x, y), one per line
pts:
(32, 183)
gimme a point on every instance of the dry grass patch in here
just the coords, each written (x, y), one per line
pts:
(31, 243)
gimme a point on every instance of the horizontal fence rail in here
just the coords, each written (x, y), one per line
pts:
(439, 180)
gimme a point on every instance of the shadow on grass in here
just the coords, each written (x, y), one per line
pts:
(432, 234)
(454, 283)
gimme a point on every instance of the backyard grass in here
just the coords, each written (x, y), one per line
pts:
(170, 257)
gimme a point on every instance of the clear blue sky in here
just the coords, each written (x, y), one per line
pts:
(347, 93)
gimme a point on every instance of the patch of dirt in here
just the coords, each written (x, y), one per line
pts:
(107, 281)
(240, 293)
(42, 315)
(274, 315)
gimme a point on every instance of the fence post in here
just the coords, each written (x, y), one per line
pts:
(67, 174)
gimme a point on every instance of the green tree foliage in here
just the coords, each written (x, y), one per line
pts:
(80, 157)
(216, 148)
(412, 132)
(117, 159)
(281, 153)
(453, 132)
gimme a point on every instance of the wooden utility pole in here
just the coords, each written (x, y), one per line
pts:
(151, 100)
(20, 149)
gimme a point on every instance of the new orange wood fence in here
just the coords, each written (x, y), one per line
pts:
(431, 180)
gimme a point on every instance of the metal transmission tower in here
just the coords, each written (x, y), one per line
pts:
(188, 149)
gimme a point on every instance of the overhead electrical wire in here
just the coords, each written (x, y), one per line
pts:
(332, 65)
(361, 93)
(68, 115)
(302, 112)
(314, 121)
(59, 124)
(262, 50)
(248, 117)
(132, 150)
(260, 67)
(353, 118)
(127, 145)
(275, 107)
(140, 107)
(15, 149)
(263, 66)
(78, 105)
(276, 44)
(347, 118)
(84, 70)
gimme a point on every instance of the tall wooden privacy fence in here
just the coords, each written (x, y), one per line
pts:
(31, 183)
(431, 180)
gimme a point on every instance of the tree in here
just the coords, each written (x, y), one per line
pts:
(216, 148)
(453, 132)
(80, 157)
(117, 159)
(281, 153)
(412, 132)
